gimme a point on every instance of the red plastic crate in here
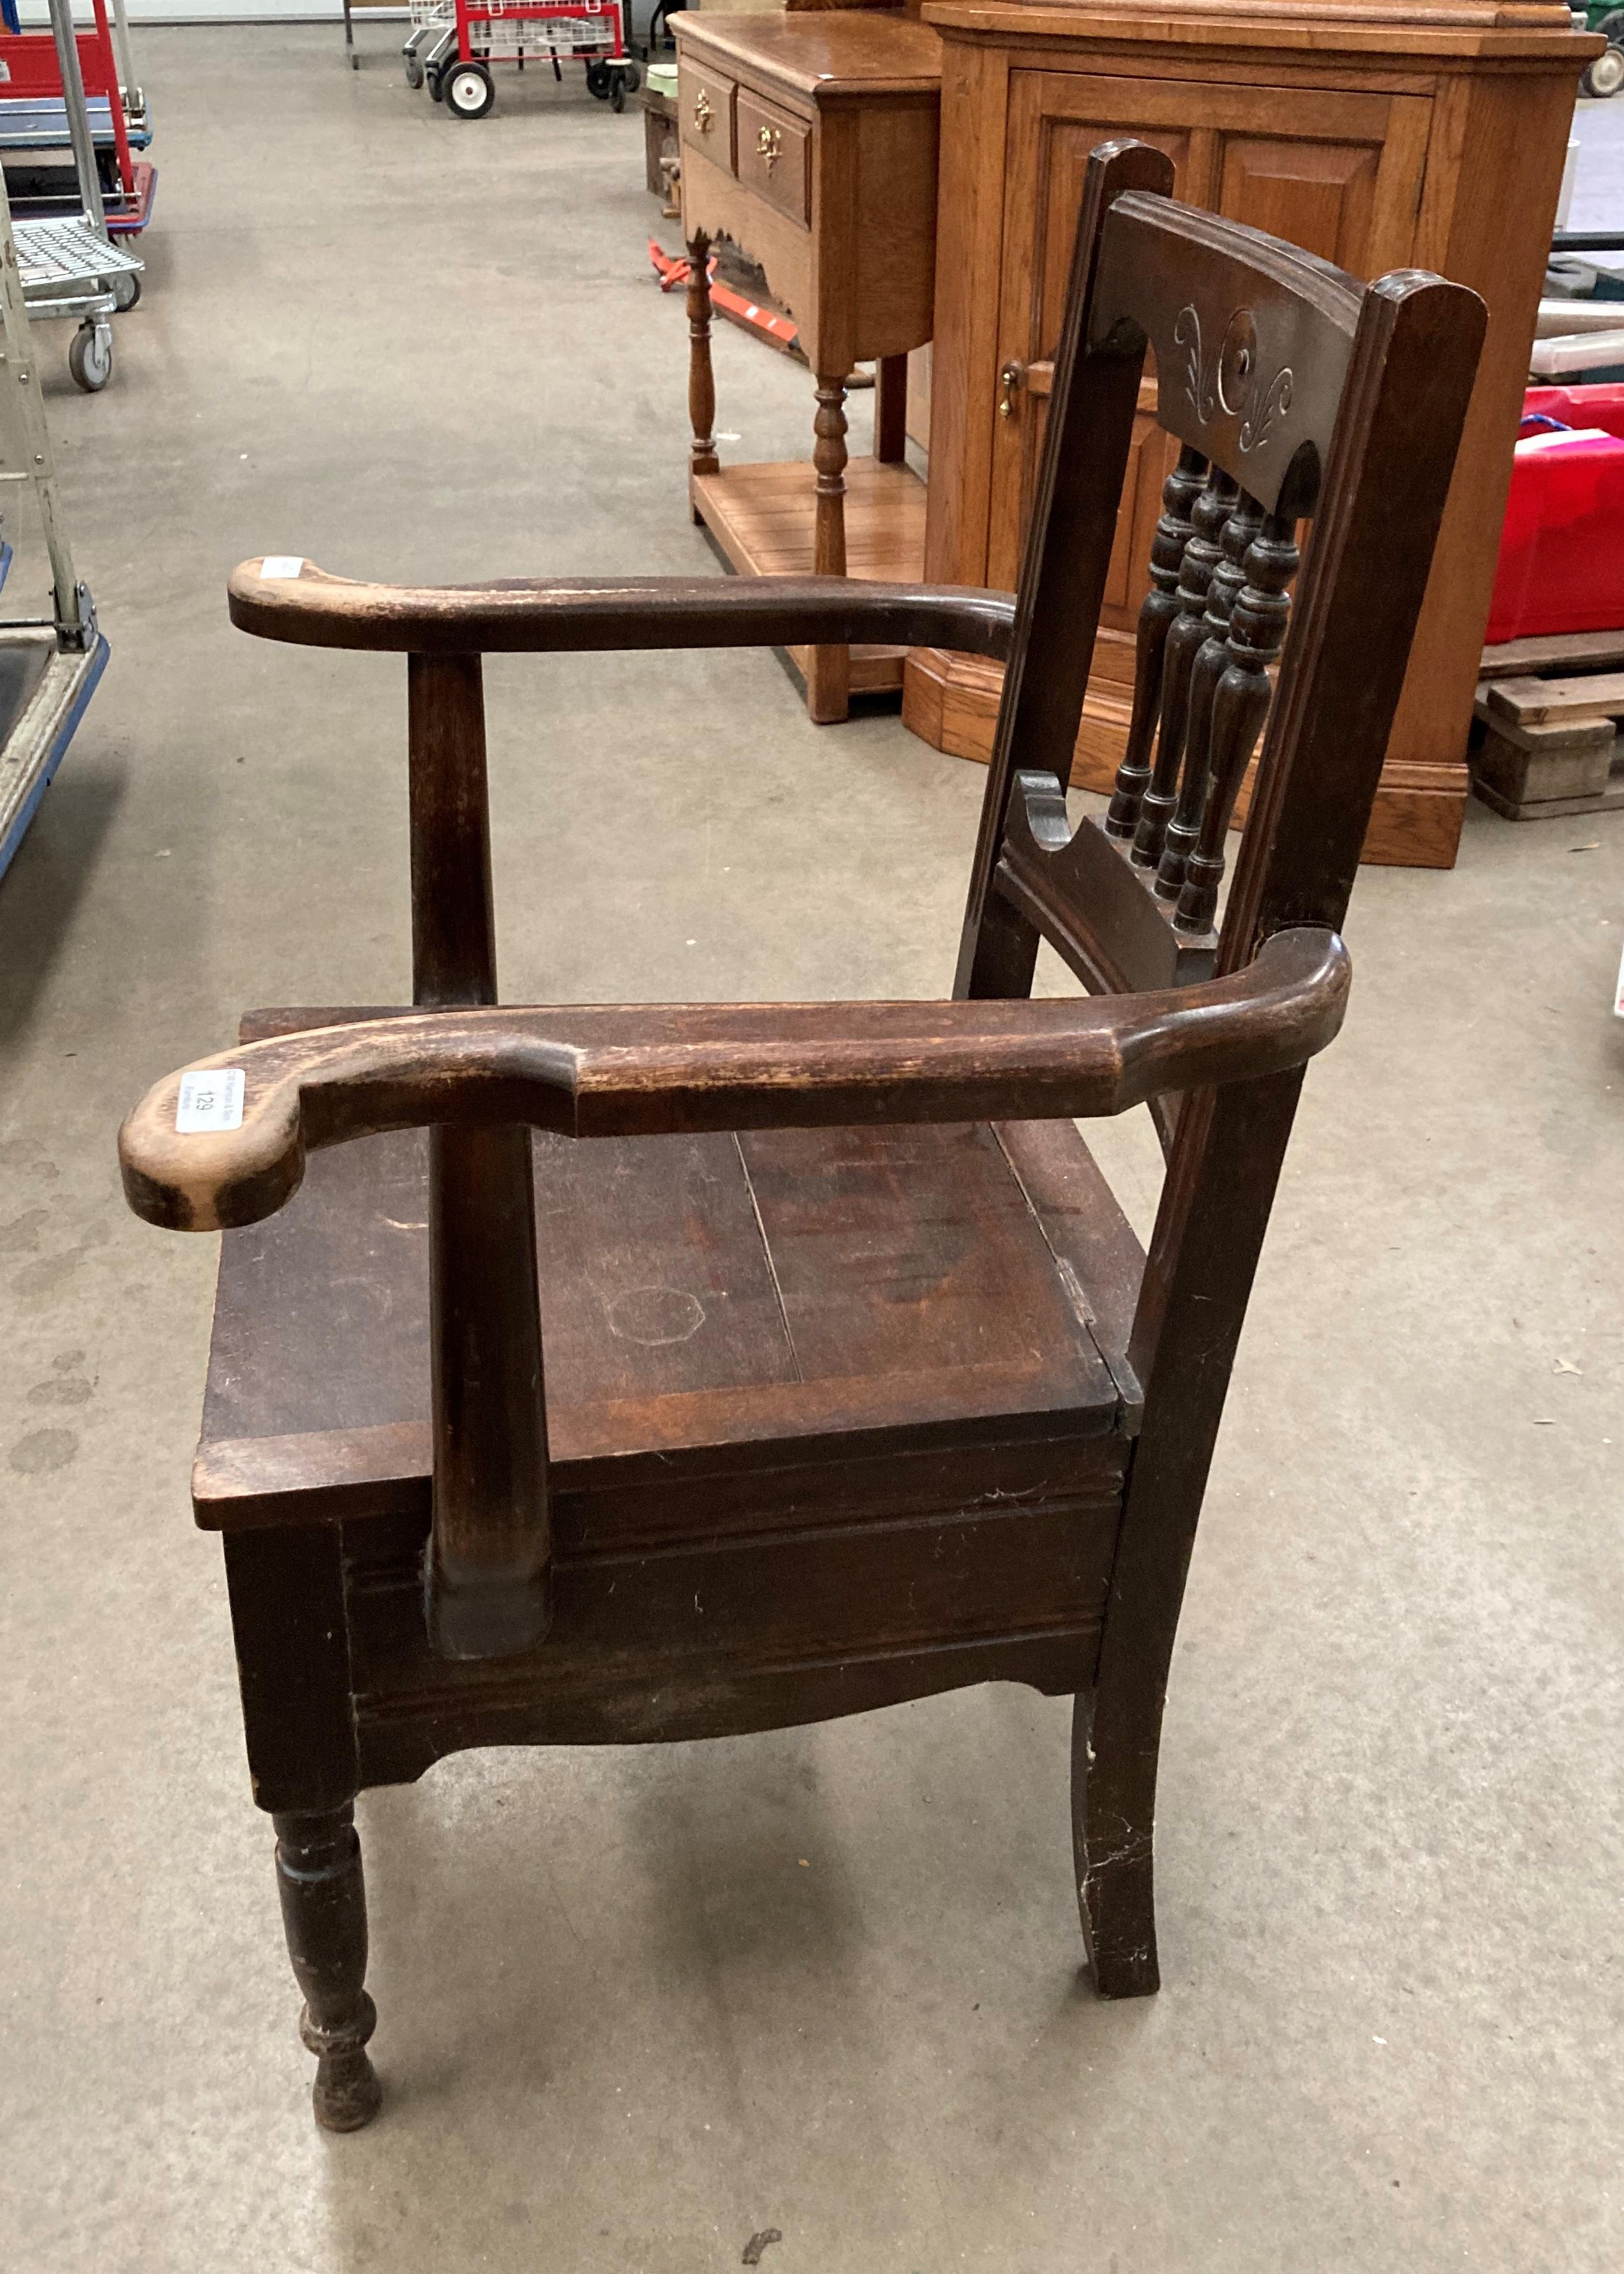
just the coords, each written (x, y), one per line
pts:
(31, 67)
(1562, 550)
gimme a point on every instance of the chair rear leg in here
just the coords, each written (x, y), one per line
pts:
(324, 1912)
(1113, 1813)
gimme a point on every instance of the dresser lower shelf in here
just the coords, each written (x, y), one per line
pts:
(762, 519)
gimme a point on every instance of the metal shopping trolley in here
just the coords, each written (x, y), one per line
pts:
(67, 269)
(456, 64)
(68, 266)
(48, 664)
(430, 22)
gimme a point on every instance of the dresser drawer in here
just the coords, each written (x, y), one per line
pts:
(774, 156)
(705, 102)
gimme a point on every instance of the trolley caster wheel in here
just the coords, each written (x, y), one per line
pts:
(126, 292)
(432, 81)
(414, 67)
(90, 356)
(1604, 78)
(468, 89)
(597, 81)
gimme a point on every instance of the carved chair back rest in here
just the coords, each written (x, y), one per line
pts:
(1295, 391)
(1252, 354)
(1255, 343)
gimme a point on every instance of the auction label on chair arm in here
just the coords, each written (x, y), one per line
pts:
(210, 1101)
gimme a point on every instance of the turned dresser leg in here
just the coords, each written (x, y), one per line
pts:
(890, 411)
(323, 1913)
(828, 680)
(701, 378)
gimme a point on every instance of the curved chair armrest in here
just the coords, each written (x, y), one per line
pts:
(638, 1069)
(559, 615)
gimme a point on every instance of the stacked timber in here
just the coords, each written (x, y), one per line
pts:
(1546, 741)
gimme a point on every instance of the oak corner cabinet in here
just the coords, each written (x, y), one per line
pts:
(1380, 137)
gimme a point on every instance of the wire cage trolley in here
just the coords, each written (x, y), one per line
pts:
(452, 52)
(67, 265)
(49, 665)
(68, 269)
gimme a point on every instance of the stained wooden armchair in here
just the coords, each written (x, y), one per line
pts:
(858, 1386)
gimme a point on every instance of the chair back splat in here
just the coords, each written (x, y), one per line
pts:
(859, 1385)
(1261, 350)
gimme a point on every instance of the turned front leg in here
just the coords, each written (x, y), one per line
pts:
(701, 378)
(323, 1914)
(828, 680)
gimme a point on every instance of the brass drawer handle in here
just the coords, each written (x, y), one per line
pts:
(768, 145)
(704, 116)
(1011, 380)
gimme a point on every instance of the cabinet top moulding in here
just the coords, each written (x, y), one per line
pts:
(845, 52)
(1464, 32)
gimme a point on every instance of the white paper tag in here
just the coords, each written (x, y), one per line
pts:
(1618, 999)
(210, 1101)
(275, 566)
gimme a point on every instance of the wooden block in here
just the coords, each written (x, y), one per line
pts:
(1554, 738)
(1553, 651)
(1524, 772)
(1537, 702)
(1551, 808)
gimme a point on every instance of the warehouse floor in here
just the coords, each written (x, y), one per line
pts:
(636, 2007)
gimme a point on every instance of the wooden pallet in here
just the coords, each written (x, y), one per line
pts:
(1546, 741)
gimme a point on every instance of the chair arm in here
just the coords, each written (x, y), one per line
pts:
(559, 615)
(636, 1069)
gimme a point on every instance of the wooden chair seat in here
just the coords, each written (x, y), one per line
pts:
(918, 1330)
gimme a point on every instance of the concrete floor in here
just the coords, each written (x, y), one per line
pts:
(1599, 177)
(636, 2006)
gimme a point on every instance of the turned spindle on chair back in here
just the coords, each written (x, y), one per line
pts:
(486, 1581)
(1254, 344)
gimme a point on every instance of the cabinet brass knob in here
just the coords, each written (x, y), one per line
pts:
(1011, 380)
(704, 116)
(769, 144)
